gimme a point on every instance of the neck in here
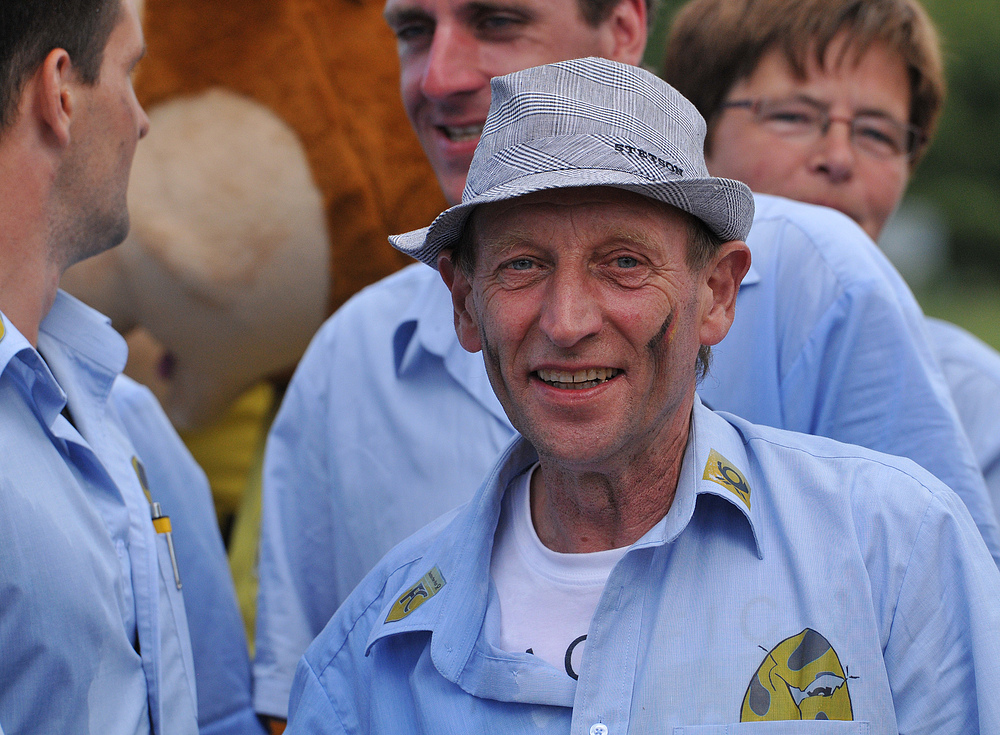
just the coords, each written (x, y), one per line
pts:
(595, 509)
(29, 276)
(26, 307)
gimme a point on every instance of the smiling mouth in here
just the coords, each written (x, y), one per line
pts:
(579, 380)
(461, 133)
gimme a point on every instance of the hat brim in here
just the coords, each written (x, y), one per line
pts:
(724, 205)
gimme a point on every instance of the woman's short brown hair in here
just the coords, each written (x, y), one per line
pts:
(713, 44)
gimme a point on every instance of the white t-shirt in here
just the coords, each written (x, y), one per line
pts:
(546, 598)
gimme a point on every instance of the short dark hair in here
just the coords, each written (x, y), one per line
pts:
(713, 44)
(30, 29)
(596, 12)
(703, 244)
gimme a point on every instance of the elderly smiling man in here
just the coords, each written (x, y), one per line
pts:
(636, 562)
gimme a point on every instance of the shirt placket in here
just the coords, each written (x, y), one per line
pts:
(604, 691)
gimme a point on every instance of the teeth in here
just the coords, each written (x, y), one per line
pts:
(580, 379)
(460, 134)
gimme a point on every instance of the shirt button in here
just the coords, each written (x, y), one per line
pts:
(599, 729)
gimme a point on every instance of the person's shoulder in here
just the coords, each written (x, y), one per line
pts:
(786, 232)
(379, 310)
(815, 223)
(819, 465)
(141, 413)
(126, 391)
(343, 642)
(390, 299)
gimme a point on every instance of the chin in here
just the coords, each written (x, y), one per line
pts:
(103, 234)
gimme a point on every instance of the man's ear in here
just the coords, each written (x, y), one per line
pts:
(54, 92)
(458, 283)
(720, 286)
(626, 32)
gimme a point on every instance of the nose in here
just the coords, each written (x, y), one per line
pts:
(570, 313)
(141, 118)
(452, 64)
(143, 122)
(835, 154)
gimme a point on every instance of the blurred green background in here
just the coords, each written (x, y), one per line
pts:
(956, 188)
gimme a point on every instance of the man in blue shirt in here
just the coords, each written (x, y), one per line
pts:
(828, 340)
(833, 103)
(93, 625)
(712, 571)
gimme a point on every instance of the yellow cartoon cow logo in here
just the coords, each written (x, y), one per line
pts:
(800, 679)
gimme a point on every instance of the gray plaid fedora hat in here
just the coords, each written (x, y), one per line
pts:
(589, 122)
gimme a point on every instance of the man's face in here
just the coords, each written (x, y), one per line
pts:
(823, 169)
(589, 319)
(450, 49)
(107, 124)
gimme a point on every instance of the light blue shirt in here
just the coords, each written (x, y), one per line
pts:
(388, 422)
(218, 638)
(792, 575)
(972, 369)
(85, 580)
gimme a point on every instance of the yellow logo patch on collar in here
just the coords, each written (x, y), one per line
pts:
(425, 588)
(720, 470)
(3, 329)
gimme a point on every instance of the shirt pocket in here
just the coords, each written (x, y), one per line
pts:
(786, 727)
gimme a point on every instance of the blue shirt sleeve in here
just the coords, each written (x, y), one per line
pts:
(972, 369)
(943, 648)
(297, 570)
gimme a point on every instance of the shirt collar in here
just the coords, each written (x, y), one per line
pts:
(18, 358)
(427, 327)
(86, 331)
(422, 326)
(84, 352)
(715, 463)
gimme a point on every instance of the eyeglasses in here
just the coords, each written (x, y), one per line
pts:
(875, 135)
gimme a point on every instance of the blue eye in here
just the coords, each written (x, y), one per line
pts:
(626, 261)
(521, 264)
(496, 22)
(880, 136)
(410, 33)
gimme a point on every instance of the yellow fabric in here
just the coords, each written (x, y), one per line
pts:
(227, 449)
(246, 534)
